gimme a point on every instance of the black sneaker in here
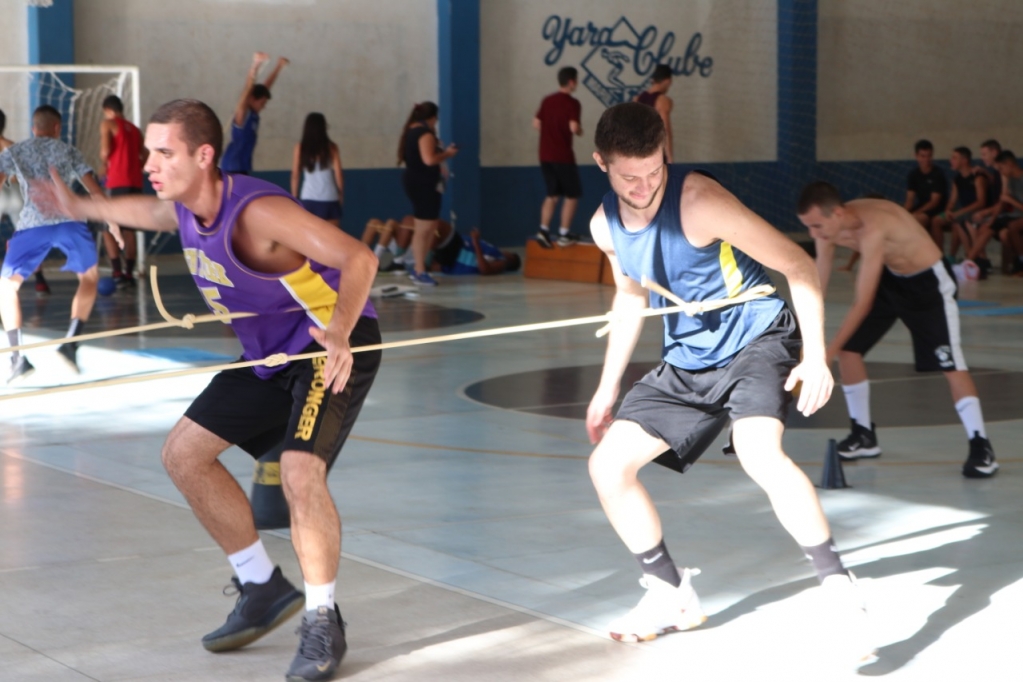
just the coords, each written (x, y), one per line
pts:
(860, 444)
(393, 266)
(568, 239)
(321, 647)
(21, 369)
(985, 267)
(981, 461)
(68, 352)
(259, 609)
(543, 238)
(124, 282)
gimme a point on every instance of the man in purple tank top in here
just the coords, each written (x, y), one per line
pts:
(656, 96)
(249, 247)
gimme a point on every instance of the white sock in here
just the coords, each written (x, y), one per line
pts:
(319, 595)
(378, 250)
(857, 400)
(252, 564)
(393, 247)
(971, 416)
(563, 230)
(544, 228)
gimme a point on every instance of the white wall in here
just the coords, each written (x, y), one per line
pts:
(891, 72)
(363, 63)
(14, 50)
(728, 116)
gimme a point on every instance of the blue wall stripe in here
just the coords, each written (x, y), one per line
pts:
(458, 56)
(51, 40)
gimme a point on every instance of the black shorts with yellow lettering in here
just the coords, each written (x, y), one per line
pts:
(292, 406)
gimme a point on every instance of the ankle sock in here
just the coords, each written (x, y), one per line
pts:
(252, 564)
(825, 559)
(319, 595)
(562, 230)
(76, 327)
(657, 562)
(971, 416)
(857, 400)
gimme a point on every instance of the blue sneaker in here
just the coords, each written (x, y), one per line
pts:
(422, 279)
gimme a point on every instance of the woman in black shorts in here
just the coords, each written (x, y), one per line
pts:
(422, 155)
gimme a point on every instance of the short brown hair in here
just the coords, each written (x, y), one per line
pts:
(199, 125)
(630, 129)
(823, 195)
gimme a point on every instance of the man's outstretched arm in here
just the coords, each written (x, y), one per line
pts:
(144, 212)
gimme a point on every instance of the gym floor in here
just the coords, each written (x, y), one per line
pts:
(474, 546)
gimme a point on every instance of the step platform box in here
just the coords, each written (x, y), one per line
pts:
(582, 262)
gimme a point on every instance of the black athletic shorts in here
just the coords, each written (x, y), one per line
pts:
(562, 180)
(447, 252)
(926, 303)
(999, 224)
(688, 409)
(424, 197)
(292, 405)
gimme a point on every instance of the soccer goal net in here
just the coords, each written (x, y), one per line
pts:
(77, 91)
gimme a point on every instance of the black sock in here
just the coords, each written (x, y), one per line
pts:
(14, 339)
(39, 276)
(657, 562)
(74, 330)
(129, 267)
(825, 560)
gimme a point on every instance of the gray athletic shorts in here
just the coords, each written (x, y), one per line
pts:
(688, 409)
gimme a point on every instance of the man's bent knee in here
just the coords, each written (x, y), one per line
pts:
(301, 473)
(624, 450)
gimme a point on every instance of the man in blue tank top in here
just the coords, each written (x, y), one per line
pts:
(693, 238)
(250, 247)
(245, 122)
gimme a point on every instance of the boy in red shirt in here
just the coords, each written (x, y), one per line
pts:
(122, 156)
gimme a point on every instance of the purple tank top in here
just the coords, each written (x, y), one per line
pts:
(287, 303)
(648, 98)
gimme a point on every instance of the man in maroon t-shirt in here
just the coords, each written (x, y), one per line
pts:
(558, 120)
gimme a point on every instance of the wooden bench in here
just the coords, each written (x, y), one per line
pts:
(577, 263)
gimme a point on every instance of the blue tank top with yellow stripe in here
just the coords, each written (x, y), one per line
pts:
(661, 253)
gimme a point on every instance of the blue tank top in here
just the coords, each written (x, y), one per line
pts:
(661, 252)
(287, 302)
(238, 155)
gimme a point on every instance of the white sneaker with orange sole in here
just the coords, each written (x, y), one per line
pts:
(662, 609)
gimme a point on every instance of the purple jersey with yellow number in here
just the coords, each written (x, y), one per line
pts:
(286, 303)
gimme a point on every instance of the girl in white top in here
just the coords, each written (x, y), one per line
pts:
(317, 164)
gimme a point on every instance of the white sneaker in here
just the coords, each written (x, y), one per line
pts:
(662, 609)
(843, 598)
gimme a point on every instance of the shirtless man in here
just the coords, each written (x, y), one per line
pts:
(901, 276)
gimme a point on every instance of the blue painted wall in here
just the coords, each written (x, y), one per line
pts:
(51, 40)
(458, 56)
